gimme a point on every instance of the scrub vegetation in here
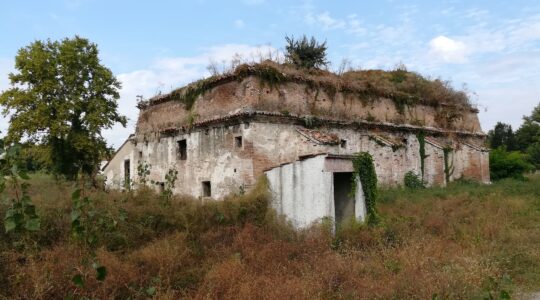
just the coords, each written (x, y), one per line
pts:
(465, 241)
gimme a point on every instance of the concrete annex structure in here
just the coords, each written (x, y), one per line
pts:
(224, 132)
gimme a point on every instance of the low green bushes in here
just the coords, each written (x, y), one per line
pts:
(505, 164)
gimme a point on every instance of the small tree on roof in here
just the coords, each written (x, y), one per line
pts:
(306, 53)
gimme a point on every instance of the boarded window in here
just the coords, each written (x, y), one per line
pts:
(182, 150)
(127, 174)
(207, 189)
(238, 142)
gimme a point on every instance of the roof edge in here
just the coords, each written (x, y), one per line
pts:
(249, 115)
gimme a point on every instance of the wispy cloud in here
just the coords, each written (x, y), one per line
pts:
(325, 20)
(350, 24)
(238, 23)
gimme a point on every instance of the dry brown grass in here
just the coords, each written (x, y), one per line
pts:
(460, 242)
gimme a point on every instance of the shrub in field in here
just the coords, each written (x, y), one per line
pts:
(413, 181)
(21, 213)
(504, 164)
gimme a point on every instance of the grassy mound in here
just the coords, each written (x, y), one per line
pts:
(465, 241)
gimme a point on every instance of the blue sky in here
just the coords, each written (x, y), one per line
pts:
(491, 46)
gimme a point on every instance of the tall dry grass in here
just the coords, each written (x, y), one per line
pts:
(465, 241)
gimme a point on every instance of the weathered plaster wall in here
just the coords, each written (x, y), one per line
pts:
(303, 191)
(114, 170)
(470, 162)
(213, 156)
(301, 100)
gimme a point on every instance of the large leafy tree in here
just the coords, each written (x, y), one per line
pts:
(527, 134)
(61, 98)
(305, 53)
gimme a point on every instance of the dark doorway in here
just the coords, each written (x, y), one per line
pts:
(182, 150)
(127, 175)
(207, 189)
(238, 141)
(343, 200)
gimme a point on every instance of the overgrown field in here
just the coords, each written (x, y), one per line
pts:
(465, 241)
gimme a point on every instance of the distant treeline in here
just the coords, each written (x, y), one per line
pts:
(515, 152)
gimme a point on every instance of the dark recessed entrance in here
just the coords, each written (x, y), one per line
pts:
(343, 201)
(207, 189)
(127, 175)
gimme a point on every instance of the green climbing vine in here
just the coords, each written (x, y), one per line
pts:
(448, 166)
(364, 169)
(421, 136)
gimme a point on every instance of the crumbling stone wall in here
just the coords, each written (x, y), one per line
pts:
(213, 155)
(300, 100)
(268, 118)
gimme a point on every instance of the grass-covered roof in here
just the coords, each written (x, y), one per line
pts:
(405, 88)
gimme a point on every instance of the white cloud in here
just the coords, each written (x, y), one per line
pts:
(167, 73)
(448, 50)
(238, 23)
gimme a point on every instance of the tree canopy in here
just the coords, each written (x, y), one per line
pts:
(62, 97)
(306, 53)
(515, 152)
(501, 136)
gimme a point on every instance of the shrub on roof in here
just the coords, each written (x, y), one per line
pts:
(306, 53)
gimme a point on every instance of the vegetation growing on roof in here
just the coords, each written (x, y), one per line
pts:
(403, 87)
(189, 94)
(306, 53)
(267, 74)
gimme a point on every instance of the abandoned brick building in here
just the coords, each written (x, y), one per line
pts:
(300, 129)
